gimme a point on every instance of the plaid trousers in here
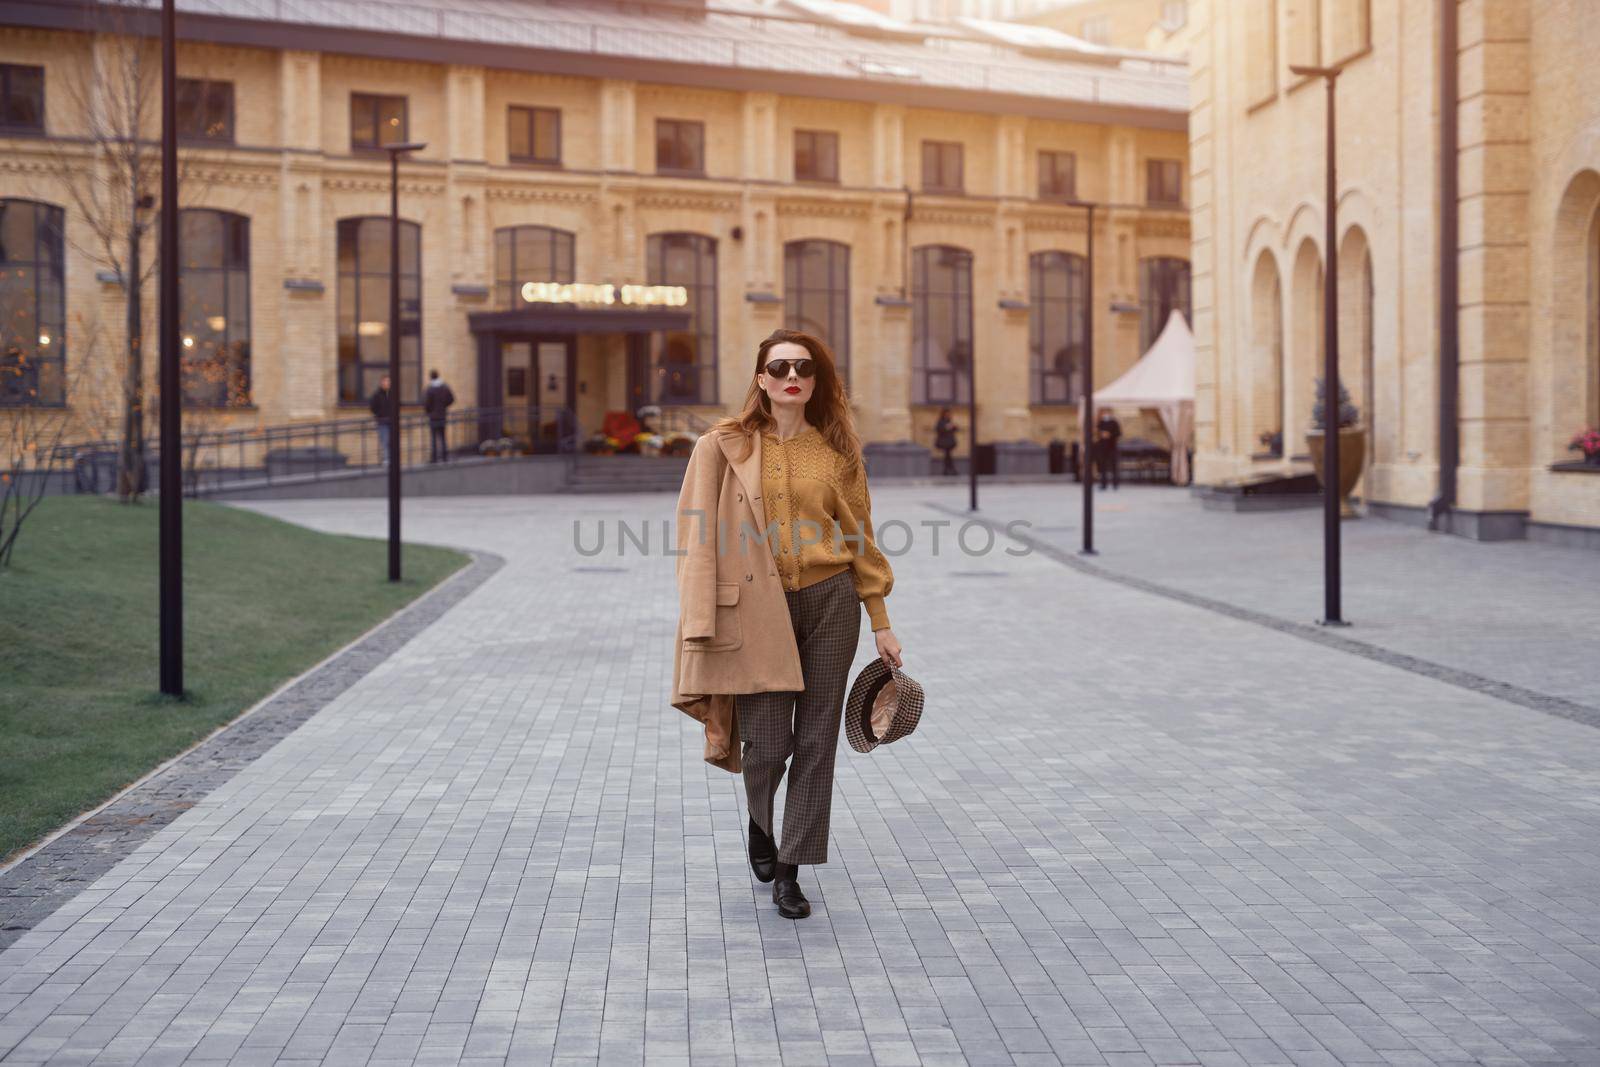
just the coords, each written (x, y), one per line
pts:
(775, 725)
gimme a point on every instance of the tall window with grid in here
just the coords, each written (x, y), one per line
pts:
(941, 325)
(33, 304)
(816, 295)
(1057, 326)
(214, 307)
(685, 366)
(1163, 289)
(364, 309)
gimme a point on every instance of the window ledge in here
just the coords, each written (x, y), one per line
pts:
(1265, 457)
(1575, 468)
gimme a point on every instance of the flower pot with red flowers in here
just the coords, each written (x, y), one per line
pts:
(1352, 445)
(1587, 442)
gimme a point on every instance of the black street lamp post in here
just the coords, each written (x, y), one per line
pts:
(1085, 470)
(393, 414)
(1331, 548)
(171, 517)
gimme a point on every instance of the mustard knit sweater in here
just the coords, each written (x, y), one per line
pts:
(822, 518)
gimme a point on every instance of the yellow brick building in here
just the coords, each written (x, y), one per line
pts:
(899, 189)
(1528, 253)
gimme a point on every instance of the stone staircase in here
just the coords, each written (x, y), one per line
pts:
(627, 474)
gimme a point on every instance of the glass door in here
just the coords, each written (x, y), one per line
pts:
(554, 397)
(518, 374)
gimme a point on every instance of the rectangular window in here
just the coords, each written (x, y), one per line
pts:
(534, 135)
(377, 120)
(941, 167)
(680, 146)
(21, 98)
(1097, 30)
(205, 110)
(1058, 176)
(816, 156)
(1163, 181)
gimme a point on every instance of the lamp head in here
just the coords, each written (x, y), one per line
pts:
(405, 146)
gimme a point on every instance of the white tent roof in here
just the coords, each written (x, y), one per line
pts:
(1164, 375)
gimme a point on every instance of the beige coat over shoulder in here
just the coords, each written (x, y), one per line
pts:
(734, 634)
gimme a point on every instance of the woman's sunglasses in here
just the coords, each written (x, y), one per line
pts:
(779, 368)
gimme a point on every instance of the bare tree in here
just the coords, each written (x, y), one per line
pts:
(31, 454)
(112, 178)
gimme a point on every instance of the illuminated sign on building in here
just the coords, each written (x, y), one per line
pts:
(588, 293)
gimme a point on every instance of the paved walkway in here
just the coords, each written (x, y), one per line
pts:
(1129, 830)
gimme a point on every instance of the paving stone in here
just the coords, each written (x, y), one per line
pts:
(1134, 826)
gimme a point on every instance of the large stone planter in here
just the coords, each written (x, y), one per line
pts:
(1352, 454)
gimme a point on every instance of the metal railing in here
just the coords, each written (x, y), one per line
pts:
(267, 455)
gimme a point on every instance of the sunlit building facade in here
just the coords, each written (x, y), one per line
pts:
(903, 192)
(1527, 255)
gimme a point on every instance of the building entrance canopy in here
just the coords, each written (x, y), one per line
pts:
(573, 319)
(530, 385)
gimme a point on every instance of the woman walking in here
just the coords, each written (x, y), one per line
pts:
(794, 449)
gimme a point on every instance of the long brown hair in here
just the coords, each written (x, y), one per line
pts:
(828, 409)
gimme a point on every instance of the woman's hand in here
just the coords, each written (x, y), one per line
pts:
(888, 646)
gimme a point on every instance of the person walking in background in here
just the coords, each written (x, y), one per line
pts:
(944, 439)
(436, 402)
(1107, 434)
(382, 405)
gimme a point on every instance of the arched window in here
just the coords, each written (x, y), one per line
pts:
(816, 295)
(686, 361)
(214, 307)
(941, 325)
(525, 254)
(1163, 289)
(33, 310)
(364, 309)
(1057, 327)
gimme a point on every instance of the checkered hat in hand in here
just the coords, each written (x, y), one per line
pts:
(884, 705)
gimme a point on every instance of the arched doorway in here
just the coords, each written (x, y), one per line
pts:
(1357, 371)
(1266, 423)
(1305, 346)
(1574, 358)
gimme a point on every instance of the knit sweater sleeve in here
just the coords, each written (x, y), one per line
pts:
(869, 568)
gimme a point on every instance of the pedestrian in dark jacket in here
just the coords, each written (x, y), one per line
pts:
(382, 405)
(436, 402)
(944, 439)
(1107, 435)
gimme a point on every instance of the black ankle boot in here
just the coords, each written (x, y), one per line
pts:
(792, 904)
(763, 853)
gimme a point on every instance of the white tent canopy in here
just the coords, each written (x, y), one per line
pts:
(1163, 379)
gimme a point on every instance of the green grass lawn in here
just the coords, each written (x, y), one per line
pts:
(81, 715)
